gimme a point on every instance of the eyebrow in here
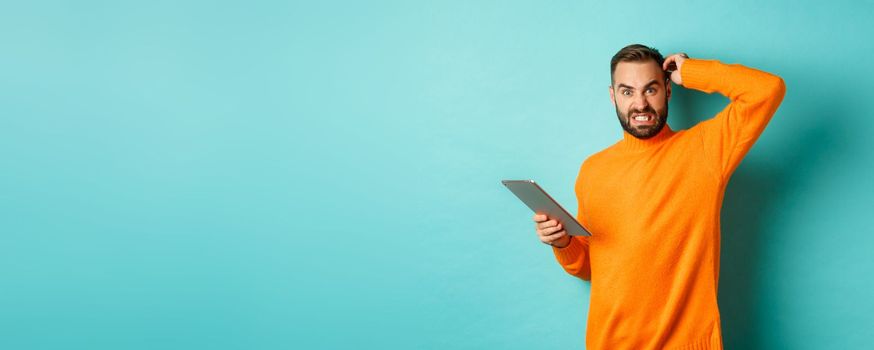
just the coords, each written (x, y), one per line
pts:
(654, 81)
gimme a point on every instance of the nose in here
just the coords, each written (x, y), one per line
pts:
(640, 102)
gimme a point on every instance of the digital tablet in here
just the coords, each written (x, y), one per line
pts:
(540, 202)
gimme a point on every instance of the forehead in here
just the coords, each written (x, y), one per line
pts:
(637, 74)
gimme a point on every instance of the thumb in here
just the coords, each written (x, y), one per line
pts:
(676, 77)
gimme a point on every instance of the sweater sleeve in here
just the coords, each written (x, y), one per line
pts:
(574, 258)
(755, 96)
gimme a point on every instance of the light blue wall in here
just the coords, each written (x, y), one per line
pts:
(254, 175)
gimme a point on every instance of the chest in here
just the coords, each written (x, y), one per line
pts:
(634, 196)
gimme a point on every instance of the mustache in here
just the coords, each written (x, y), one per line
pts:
(645, 110)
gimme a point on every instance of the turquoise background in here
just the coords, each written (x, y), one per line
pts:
(274, 175)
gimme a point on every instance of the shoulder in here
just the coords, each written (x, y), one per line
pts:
(690, 137)
(686, 134)
(597, 160)
(704, 129)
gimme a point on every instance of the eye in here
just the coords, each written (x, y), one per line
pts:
(626, 92)
(650, 91)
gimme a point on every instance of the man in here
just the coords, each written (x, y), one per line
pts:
(652, 202)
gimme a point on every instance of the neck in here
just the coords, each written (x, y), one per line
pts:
(633, 143)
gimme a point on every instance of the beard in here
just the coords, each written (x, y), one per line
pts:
(643, 131)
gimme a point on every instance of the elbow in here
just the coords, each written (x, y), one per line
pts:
(779, 93)
(778, 88)
(581, 272)
(771, 93)
(574, 258)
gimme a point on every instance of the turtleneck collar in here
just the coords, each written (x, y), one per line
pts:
(632, 143)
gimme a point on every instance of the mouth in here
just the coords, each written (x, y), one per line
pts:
(642, 119)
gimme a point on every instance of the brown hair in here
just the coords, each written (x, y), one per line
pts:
(635, 53)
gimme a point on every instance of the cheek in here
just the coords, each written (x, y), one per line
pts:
(658, 102)
(622, 103)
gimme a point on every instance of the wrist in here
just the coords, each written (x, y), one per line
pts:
(562, 242)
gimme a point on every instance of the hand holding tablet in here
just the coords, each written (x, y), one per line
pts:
(550, 231)
(541, 203)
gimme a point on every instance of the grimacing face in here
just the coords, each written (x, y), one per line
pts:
(640, 94)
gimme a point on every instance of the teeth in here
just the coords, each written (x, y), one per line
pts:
(641, 117)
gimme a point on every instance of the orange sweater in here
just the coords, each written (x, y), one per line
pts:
(653, 209)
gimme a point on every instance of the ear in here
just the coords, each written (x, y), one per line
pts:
(668, 90)
(612, 98)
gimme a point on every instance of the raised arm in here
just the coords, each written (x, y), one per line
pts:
(755, 96)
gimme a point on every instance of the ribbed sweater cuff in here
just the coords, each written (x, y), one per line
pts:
(698, 74)
(571, 253)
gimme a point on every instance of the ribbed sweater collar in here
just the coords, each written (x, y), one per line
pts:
(631, 143)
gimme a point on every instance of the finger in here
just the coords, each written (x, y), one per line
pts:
(551, 230)
(555, 236)
(670, 59)
(540, 218)
(670, 63)
(547, 224)
(673, 66)
(546, 231)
